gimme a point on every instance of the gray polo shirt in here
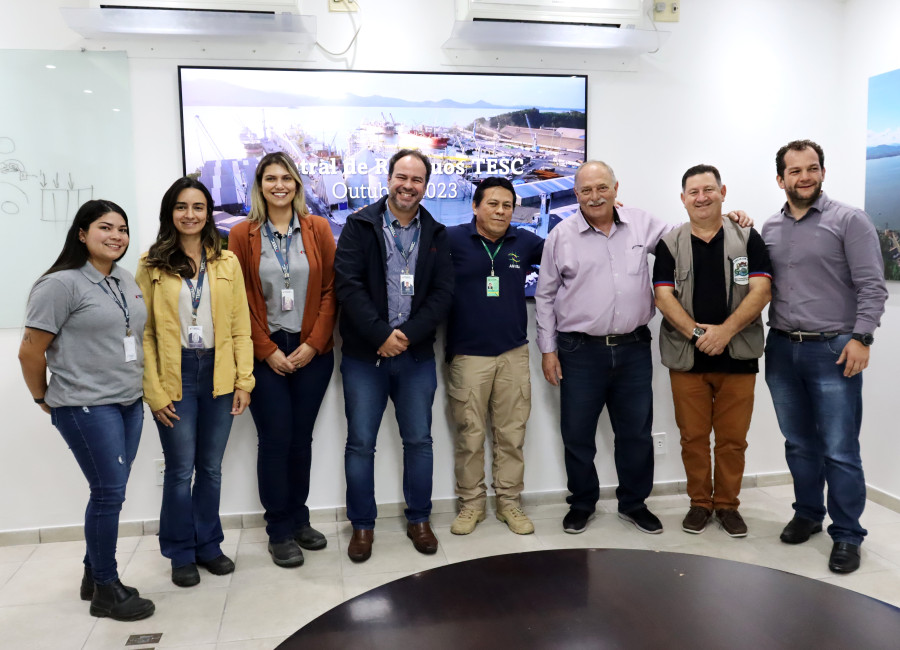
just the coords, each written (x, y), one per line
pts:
(272, 278)
(399, 305)
(828, 275)
(87, 356)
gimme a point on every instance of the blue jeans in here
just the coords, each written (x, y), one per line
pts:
(284, 410)
(618, 377)
(104, 440)
(189, 525)
(411, 385)
(820, 413)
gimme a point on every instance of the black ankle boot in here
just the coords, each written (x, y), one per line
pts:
(87, 585)
(117, 602)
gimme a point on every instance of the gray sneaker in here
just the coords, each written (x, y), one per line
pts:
(696, 519)
(732, 522)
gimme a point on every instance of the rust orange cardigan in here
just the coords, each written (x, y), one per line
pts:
(320, 309)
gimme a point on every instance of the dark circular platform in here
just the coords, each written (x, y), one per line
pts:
(604, 598)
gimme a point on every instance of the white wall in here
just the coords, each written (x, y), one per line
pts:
(734, 82)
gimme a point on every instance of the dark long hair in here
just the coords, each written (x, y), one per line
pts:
(74, 253)
(166, 252)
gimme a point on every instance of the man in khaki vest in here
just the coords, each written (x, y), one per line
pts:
(712, 279)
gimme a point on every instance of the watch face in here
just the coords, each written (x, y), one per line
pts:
(699, 331)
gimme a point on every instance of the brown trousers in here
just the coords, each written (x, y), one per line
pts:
(705, 402)
(499, 387)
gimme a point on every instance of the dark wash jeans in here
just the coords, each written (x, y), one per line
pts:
(820, 414)
(104, 440)
(411, 386)
(618, 377)
(284, 410)
(189, 526)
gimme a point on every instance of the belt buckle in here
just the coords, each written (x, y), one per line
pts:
(608, 337)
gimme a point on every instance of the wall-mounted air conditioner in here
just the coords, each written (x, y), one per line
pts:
(267, 6)
(610, 13)
(258, 21)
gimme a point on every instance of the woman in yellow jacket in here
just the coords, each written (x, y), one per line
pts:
(198, 372)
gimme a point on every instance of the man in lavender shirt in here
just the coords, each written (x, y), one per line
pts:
(828, 298)
(593, 305)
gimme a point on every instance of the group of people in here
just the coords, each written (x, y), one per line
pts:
(199, 328)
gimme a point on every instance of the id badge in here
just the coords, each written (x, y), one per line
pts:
(407, 284)
(130, 348)
(287, 299)
(493, 286)
(195, 337)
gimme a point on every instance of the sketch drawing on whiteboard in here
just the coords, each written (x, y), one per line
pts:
(58, 203)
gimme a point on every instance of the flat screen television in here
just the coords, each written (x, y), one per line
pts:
(341, 127)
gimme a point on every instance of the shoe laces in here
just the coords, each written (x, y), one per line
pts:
(515, 513)
(466, 514)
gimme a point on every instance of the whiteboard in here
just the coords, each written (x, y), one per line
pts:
(65, 138)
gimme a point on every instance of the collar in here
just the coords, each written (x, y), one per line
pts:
(293, 226)
(818, 205)
(395, 222)
(584, 226)
(472, 231)
(92, 274)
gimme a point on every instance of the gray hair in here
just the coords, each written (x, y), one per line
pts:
(605, 166)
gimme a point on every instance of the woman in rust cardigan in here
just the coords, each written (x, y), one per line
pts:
(287, 256)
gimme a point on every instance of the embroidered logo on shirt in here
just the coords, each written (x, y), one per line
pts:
(514, 261)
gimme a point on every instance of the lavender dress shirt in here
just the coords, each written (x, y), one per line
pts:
(595, 283)
(828, 270)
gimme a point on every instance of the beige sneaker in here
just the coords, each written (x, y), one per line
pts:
(517, 520)
(466, 521)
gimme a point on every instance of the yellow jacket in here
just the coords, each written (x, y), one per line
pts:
(162, 335)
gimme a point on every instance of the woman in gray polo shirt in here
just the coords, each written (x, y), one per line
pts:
(84, 322)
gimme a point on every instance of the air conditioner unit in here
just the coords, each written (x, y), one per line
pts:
(608, 13)
(251, 6)
(259, 21)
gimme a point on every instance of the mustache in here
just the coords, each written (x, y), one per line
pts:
(597, 203)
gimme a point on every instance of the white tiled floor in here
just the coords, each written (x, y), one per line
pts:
(260, 604)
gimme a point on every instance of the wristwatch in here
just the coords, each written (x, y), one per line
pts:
(698, 332)
(865, 339)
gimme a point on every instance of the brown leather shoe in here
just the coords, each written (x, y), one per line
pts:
(360, 548)
(422, 537)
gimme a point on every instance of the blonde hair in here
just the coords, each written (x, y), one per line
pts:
(259, 209)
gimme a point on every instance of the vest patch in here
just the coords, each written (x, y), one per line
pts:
(741, 270)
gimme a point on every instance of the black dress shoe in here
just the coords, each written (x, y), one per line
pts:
(799, 529)
(844, 557)
(185, 576)
(310, 539)
(218, 566)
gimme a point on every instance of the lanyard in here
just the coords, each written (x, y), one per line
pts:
(123, 305)
(285, 261)
(197, 293)
(412, 245)
(499, 246)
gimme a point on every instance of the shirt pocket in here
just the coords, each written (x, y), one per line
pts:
(636, 260)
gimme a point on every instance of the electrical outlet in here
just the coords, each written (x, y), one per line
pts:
(663, 12)
(160, 466)
(345, 6)
(659, 443)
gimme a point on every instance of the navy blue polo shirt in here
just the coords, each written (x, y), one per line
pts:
(479, 325)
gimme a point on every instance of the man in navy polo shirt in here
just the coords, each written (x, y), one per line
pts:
(488, 354)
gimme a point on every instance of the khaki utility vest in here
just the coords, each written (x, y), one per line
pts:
(676, 351)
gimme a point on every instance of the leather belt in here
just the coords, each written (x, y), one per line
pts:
(799, 336)
(641, 334)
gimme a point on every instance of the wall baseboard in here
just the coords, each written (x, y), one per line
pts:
(339, 514)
